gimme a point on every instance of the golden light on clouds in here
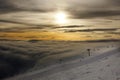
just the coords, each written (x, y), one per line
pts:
(61, 18)
(36, 35)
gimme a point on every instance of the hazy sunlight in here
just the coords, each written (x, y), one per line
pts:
(61, 18)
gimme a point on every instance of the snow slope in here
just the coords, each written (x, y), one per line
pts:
(103, 64)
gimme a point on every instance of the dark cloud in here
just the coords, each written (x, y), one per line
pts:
(77, 9)
(115, 2)
(15, 22)
(104, 40)
(94, 8)
(93, 14)
(92, 30)
(27, 27)
(18, 29)
(73, 26)
(23, 5)
(5, 6)
(116, 33)
(70, 26)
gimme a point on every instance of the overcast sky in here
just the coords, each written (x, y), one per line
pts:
(28, 10)
(90, 8)
(38, 14)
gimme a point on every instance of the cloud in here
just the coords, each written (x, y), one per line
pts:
(115, 2)
(5, 6)
(77, 8)
(27, 27)
(36, 12)
(14, 22)
(20, 56)
(12, 61)
(93, 8)
(116, 33)
(92, 30)
(71, 26)
(25, 5)
(93, 14)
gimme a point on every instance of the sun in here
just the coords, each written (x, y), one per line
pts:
(61, 18)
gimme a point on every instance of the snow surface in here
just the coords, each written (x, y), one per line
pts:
(103, 64)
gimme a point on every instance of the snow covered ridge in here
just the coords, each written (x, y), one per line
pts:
(23, 56)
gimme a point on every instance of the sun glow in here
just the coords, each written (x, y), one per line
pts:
(61, 18)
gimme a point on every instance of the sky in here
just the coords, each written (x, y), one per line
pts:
(35, 19)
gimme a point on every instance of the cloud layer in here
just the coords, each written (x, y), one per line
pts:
(77, 8)
(38, 15)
